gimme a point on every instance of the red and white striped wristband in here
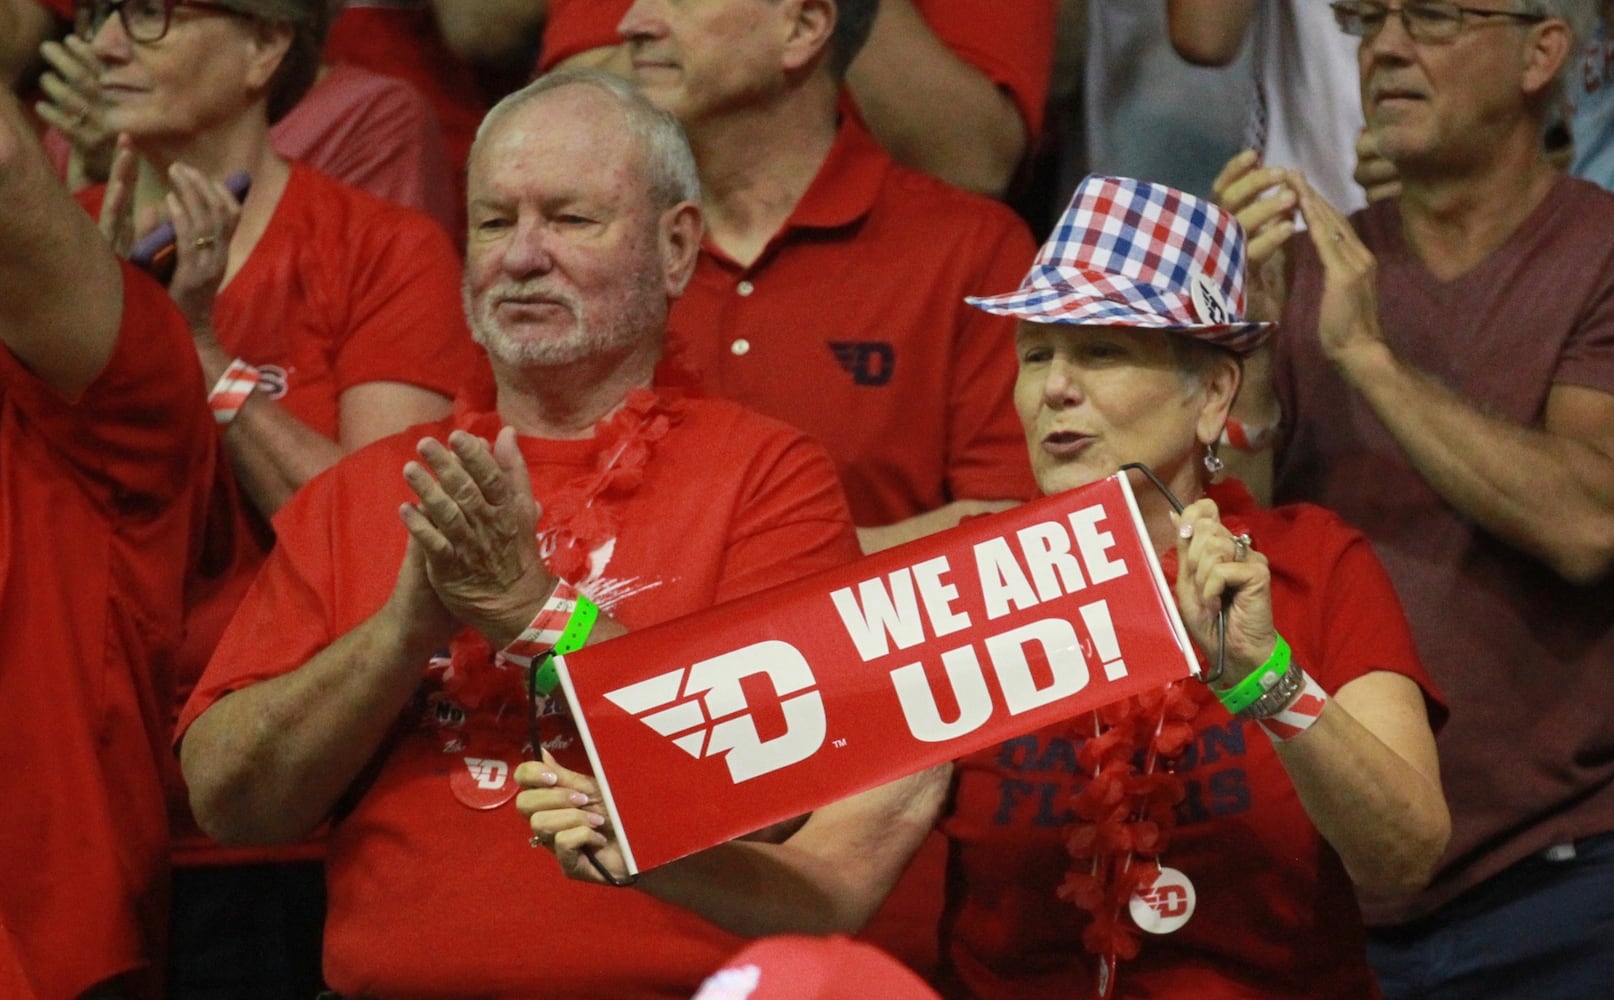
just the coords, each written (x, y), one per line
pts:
(546, 628)
(1299, 715)
(230, 392)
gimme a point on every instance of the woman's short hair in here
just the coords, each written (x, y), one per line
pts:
(308, 20)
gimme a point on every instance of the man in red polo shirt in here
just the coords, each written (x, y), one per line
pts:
(107, 450)
(829, 285)
(829, 291)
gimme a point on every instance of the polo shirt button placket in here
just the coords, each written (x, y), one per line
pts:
(741, 346)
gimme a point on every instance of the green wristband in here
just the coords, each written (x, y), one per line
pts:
(572, 638)
(1260, 680)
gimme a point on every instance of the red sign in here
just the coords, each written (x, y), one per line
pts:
(718, 724)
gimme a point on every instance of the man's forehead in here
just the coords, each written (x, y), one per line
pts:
(563, 134)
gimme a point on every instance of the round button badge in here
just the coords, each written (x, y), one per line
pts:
(483, 781)
(1165, 906)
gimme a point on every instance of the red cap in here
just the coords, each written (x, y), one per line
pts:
(793, 967)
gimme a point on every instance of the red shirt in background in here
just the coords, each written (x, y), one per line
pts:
(376, 133)
(102, 502)
(852, 326)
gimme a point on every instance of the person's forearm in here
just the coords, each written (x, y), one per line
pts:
(61, 292)
(493, 31)
(273, 453)
(266, 764)
(24, 25)
(890, 535)
(1550, 496)
(932, 110)
(1208, 32)
(1386, 818)
(830, 877)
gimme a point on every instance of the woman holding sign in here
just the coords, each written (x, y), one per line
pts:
(1206, 839)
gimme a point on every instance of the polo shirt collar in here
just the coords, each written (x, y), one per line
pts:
(848, 183)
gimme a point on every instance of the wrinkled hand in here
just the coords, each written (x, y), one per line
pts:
(1263, 200)
(1207, 575)
(1374, 174)
(567, 816)
(475, 522)
(72, 104)
(413, 604)
(204, 214)
(1348, 315)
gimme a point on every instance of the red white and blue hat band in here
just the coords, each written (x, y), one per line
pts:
(1130, 253)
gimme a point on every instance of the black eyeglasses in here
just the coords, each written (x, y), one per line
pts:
(143, 20)
(1427, 22)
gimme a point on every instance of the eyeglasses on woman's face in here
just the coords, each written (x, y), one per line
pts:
(144, 21)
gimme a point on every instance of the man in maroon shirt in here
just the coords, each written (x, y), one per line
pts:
(1445, 374)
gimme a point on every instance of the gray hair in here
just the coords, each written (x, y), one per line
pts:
(853, 21)
(308, 20)
(1581, 17)
(669, 161)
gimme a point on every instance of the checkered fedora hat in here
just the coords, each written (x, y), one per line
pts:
(1130, 253)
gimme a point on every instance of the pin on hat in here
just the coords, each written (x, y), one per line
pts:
(1130, 253)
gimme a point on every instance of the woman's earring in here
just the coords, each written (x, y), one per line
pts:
(1213, 464)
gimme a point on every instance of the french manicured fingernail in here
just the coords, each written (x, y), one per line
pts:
(578, 799)
(596, 820)
(546, 777)
(1185, 529)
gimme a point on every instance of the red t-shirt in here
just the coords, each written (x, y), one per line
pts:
(1276, 915)
(1011, 42)
(101, 508)
(378, 134)
(427, 896)
(1528, 760)
(852, 326)
(341, 289)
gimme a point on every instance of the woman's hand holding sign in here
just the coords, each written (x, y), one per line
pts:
(567, 816)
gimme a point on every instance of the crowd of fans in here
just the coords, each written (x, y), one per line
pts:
(356, 356)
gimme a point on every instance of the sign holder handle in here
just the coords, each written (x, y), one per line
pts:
(1221, 613)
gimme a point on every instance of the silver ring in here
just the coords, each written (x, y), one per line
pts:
(203, 242)
(1241, 546)
(535, 841)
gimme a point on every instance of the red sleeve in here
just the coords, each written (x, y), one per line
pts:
(575, 26)
(406, 322)
(378, 134)
(1011, 41)
(791, 522)
(140, 426)
(986, 444)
